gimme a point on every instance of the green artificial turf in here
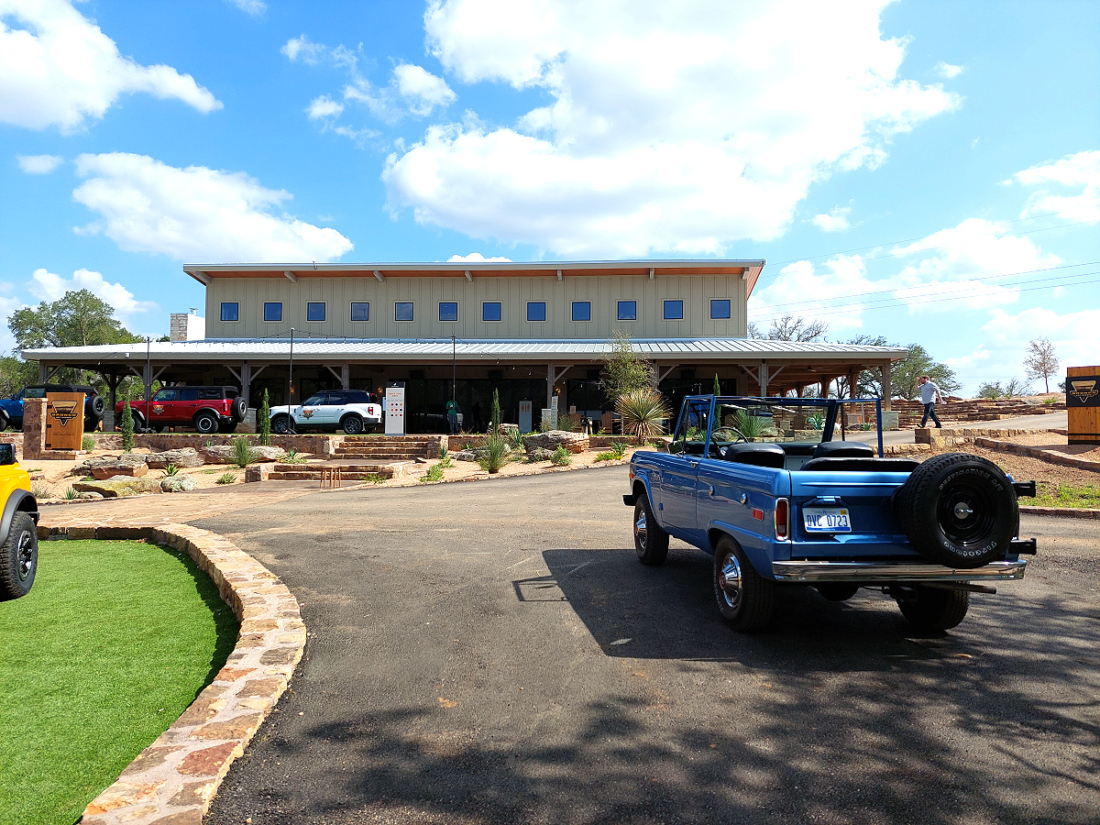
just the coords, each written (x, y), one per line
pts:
(114, 641)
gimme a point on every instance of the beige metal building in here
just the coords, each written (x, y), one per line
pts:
(530, 331)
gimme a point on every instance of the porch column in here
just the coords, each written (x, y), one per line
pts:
(886, 386)
(763, 379)
(345, 376)
(246, 384)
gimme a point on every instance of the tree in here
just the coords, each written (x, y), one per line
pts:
(1041, 361)
(15, 373)
(991, 390)
(494, 413)
(717, 385)
(624, 371)
(904, 374)
(789, 328)
(868, 382)
(127, 427)
(264, 423)
(1015, 388)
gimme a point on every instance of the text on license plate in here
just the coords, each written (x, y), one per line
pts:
(826, 519)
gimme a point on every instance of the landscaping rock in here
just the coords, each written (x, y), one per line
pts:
(223, 454)
(183, 457)
(540, 454)
(118, 487)
(89, 496)
(573, 442)
(464, 455)
(256, 472)
(178, 484)
(120, 468)
(86, 468)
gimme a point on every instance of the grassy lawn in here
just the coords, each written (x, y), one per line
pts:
(113, 643)
(1062, 495)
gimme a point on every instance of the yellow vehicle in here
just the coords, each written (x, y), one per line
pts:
(18, 528)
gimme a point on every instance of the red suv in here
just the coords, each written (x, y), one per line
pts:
(207, 409)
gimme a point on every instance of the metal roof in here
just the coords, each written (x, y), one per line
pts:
(657, 349)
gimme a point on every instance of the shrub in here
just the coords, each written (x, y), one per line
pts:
(608, 456)
(570, 422)
(618, 448)
(88, 443)
(751, 426)
(561, 457)
(226, 478)
(435, 473)
(126, 425)
(243, 454)
(494, 454)
(264, 422)
(445, 457)
(292, 457)
(375, 478)
(515, 439)
(70, 494)
(816, 421)
(643, 413)
(41, 491)
(171, 469)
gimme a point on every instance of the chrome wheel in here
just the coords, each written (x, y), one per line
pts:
(729, 581)
(641, 535)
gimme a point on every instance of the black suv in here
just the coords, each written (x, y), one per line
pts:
(94, 403)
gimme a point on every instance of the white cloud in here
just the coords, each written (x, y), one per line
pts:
(672, 127)
(835, 221)
(196, 214)
(1079, 170)
(48, 286)
(422, 89)
(804, 291)
(39, 164)
(324, 107)
(253, 7)
(57, 69)
(475, 258)
(963, 264)
(312, 54)
(947, 71)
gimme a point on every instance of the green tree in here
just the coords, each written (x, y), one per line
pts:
(904, 374)
(1041, 361)
(127, 427)
(624, 371)
(494, 414)
(264, 424)
(15, 373)
(869, 381)
(717, 385)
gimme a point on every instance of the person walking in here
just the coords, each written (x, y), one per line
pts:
(929, 395)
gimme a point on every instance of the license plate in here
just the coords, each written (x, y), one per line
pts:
(826, 520)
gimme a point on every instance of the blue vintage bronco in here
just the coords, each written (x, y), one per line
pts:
(777, 492)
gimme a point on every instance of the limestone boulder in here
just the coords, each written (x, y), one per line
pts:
(182, 458)
(223, 454)
(573, 442)
(119, 486)
(120, 469)
(87, 468)
(178, 484)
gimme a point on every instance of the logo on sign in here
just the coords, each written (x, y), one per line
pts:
(1083, 390)
(64, 411)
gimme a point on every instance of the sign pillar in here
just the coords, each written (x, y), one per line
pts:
(395, 408)
(525, 416)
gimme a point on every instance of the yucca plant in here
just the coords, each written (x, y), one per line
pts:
(618, 448)
(750, 426)
(171, 469)
(494, 454)
(292, 457)
(226, 478)
(643, 413)
(243, 454)
(71, 494)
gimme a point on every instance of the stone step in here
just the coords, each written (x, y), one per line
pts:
(379, 457)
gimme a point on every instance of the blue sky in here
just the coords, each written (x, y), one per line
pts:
(926, 171)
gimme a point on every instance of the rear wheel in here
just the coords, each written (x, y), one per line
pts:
(206, 423)
(95, 407)
(352, 425)
(226, 427)
(650, 541)
(238, 408)
(934, 608)
(745, 599)
(18, 558)
(4, 422)
(280, 424)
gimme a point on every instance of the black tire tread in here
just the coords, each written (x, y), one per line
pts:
(657, 539)
(758, 594)
(10, 585)
(936, 608)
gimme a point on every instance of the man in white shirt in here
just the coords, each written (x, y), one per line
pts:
(929, 394)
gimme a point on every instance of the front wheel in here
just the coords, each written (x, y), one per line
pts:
(18, 558)
(4, 422)
(206, 423)
(935, 608)
(745, 599)
(280, 424)
(650, 541)
(352, 425)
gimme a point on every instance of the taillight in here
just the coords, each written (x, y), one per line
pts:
(782, 519)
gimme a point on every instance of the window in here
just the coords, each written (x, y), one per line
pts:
(628, 311)
(167, 394)
(403, 311)
(231, 311)
(448, 311)
(315, 311)
(360, 310)
(490, 311)
(719, 308)
(582, 310)
(188, 394)
(273, 310)
(536, 310)
(674, 310)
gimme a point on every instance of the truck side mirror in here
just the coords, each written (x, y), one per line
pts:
(7, 454)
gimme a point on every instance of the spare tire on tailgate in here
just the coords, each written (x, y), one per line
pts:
(238, 408)
(958, 510)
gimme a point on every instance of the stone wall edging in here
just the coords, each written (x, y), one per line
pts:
(174, 779)
(1035, 452)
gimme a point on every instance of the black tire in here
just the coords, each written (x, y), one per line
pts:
(18, 558)
(206, 422)
(352, 425)
(139, 422)
(238, 409)
(959, 510)
(227, 427)
(935, 608)
(95, 407)
(5, 422)
(650, 541)
(745, 599)
(280, 424)
(837, 591)
(91, 425)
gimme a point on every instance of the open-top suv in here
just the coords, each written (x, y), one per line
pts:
(207, 409)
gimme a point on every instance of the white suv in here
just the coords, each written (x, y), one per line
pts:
(352, 411)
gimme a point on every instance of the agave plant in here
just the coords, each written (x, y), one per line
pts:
(643, 413)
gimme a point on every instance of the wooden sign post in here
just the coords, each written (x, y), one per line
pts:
(1083, 404)
(64, 420)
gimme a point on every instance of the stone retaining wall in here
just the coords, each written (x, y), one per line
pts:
(175, 778)
(320, 445)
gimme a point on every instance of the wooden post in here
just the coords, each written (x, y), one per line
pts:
(1083, 404)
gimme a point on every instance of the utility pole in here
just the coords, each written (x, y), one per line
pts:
(454, 368)
(290, 375)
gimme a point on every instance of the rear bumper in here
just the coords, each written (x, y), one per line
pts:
(879, 571)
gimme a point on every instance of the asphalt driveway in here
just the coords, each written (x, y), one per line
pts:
(493, 652)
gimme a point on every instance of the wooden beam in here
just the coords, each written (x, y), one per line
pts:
(469, 276)
(290, 276)
(378, 274)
